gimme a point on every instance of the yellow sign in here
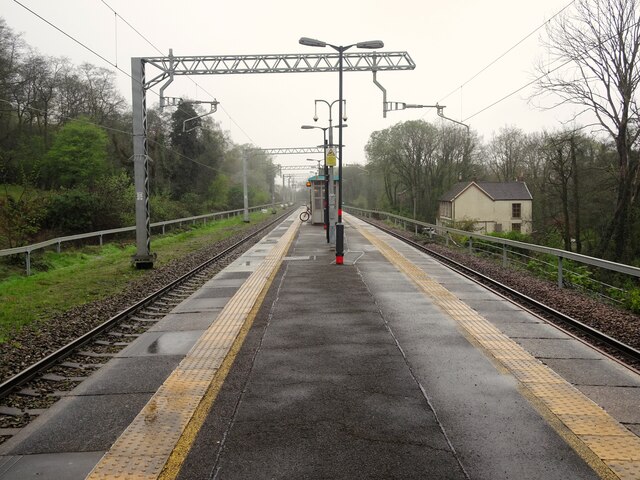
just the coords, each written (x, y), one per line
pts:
(331, 158)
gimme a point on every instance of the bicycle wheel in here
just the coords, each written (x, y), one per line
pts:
(304, 216)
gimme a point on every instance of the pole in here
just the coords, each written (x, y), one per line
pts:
(331, 195)
(143, 257)
(326, 187)
(339, 225)
(244, 187)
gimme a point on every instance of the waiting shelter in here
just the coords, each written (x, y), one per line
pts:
(316, 186)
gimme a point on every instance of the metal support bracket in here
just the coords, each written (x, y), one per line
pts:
(395, 106)
(214, 109)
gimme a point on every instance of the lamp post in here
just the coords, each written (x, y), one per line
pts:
(328, 178)
(319, 171)
(371, 44)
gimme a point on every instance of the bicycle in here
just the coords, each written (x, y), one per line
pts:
(306, 215)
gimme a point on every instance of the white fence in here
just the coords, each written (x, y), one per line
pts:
(503, 243)
(27, 249)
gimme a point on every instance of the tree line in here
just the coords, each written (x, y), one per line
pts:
(66, 152)
(571, 176)
(585, 186)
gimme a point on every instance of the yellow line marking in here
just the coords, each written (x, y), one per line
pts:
(606, 439)
(157, 441)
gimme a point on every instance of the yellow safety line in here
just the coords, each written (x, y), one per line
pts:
(611, 443)
(159, 438)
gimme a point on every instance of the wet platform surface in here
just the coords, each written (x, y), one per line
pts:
(353, 371)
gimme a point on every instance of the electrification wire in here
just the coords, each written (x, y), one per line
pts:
(121, 70)
(517, 90)
(192, 80)
(133, 28)
(547, 73)
(108, 61)
(74, 39)
(160, 144)
(506, 52)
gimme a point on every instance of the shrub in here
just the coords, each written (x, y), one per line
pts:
(72, 211)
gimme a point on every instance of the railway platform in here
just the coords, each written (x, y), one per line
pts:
(286, 365)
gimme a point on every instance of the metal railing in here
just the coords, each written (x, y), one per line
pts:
(502, 247)
(27, 249)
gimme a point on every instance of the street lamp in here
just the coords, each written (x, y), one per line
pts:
(371, 44)
(315, 160)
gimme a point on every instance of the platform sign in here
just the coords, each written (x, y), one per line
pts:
(331, 158)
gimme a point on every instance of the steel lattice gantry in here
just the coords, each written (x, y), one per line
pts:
(222, 65)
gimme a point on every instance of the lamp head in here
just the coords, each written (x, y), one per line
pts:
(369, 44)
(315, 119)
(307, 127)
(312, 42)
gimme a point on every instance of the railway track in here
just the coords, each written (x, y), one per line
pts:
(31, 391)
(608, 344)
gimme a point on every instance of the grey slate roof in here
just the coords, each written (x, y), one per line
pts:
(495, 190)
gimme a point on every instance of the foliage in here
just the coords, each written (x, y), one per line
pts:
(417, 162)
(512, 235)
(218, 193)
(602, 40)
(631, 300)
(71, 212)
(162, 207)
(77, 156)
(75, 277)
(21, 214)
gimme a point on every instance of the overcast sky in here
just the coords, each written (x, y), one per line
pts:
(450, 41)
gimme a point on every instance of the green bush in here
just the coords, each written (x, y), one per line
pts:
(71, 211)
(163, 208)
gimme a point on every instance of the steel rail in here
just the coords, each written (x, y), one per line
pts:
(627, 350)
(34, 370)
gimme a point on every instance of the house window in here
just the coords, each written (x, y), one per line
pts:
(516, 210)
(445, 209)
(515, 227)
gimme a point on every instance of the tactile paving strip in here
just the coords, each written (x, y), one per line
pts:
(143, 449)
(616, 446)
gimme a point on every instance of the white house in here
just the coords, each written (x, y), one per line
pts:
(494, 206)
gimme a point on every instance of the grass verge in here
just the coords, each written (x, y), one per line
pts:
(86, 274)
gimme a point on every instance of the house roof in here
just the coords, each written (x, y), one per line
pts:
(494, 190)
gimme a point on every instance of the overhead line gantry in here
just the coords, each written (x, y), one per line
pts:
(171, 66)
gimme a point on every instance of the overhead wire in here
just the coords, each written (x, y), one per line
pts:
(192, 80)
(547, 72)
(117, 130)
(119, 69)
(507, 51)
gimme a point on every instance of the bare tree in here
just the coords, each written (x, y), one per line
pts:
(600, 42)
(507, 152)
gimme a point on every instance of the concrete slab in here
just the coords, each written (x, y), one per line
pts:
(67, 466)
(557, 348)
(162, 343)
(593, 372)
(509, 317)
(225, 282)
(183, 321)
(201, 305)
(215, 291)
(78, 424)
(533, 330)
(129, 375)
(491, 306)
(228, 275)
(621, 402)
